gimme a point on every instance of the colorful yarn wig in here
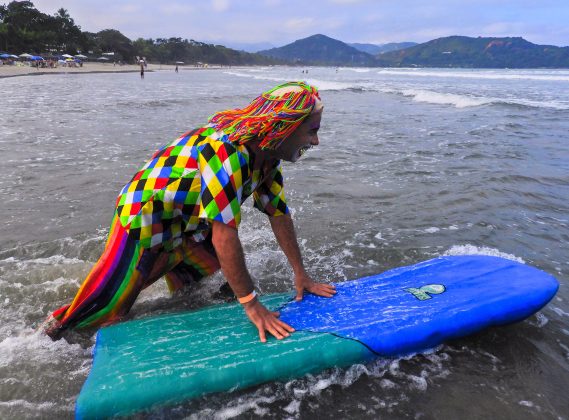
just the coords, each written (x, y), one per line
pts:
(269, 117)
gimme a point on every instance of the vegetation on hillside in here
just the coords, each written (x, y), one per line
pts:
(452, 51)
(23, 28)
(481, 52)
(321, 50)
(375, 49)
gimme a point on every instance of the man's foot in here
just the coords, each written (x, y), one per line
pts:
(52, 327)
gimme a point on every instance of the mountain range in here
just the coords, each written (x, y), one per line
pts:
(375, 49)
(321, 50)
(452, 51)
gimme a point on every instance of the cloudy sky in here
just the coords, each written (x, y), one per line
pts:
(280, 22)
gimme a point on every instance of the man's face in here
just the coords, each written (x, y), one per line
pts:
(301, 139)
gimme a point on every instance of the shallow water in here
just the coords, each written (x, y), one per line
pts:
(413, 163)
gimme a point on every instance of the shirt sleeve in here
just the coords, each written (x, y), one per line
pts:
(269, 196)
(222, 170)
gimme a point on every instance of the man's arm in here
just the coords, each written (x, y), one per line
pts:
(229, 251)
(283, 229)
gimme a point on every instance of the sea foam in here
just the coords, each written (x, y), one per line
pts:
(468, 249)
(476, 75)
(459, 101)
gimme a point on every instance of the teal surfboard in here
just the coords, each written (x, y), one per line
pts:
(164, 360)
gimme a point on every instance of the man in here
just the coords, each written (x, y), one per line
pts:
(179, 215)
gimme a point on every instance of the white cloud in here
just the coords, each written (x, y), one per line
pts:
(129, 8)
(220, 5)
(299, 24)
(503, 28)
(281, 22)
(174, 9)
(348, 1)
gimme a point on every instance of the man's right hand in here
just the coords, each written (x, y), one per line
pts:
(266, 320)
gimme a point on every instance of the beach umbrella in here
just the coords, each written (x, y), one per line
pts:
(5, 56)
(26, 55)
(103, 58)
(13, 56)
(69, 59)
(36, 58)
(80, 56)
(67, 56)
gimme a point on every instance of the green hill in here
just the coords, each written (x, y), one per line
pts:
(462, 51)
(321, 50)
(23, 28)
(382, 48)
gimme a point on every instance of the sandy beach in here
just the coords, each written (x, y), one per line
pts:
(14, 71)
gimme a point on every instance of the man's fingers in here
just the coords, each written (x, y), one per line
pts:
(269, 321)
(325, 290)
(279, 329)
(279, 335)
(286, 326)
(282, 328)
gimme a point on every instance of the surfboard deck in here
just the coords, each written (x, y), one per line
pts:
(172, 358)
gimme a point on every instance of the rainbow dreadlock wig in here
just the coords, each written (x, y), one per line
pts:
(271, 117)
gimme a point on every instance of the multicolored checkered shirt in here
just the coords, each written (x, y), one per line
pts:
(198, 178)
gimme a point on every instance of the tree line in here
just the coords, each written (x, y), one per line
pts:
(23, 28)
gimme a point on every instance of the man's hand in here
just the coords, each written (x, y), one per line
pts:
(303, 282)
(266, 320)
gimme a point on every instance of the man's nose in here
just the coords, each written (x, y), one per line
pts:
(315, 141)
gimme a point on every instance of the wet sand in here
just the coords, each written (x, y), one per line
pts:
(14, 71)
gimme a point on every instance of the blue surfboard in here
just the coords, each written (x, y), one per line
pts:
(147, 363)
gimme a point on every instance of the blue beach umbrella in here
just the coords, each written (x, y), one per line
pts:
(36, 58)
(5, 56)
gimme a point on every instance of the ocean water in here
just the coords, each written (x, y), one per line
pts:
(413, 164)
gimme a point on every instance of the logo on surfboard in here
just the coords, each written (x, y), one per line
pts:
(425, 292)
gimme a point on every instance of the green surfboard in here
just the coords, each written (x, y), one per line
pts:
(165, 360)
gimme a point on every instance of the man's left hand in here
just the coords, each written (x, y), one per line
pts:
(303, 282)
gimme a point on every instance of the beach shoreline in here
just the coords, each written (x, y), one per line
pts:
(90, 68)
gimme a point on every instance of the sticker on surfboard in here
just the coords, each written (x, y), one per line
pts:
(425, 292)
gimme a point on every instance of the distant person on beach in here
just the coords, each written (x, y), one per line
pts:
(141, 69)
(176, 68)
(179, 215)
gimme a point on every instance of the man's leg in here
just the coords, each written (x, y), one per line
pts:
(111, 287)
(196, 261)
